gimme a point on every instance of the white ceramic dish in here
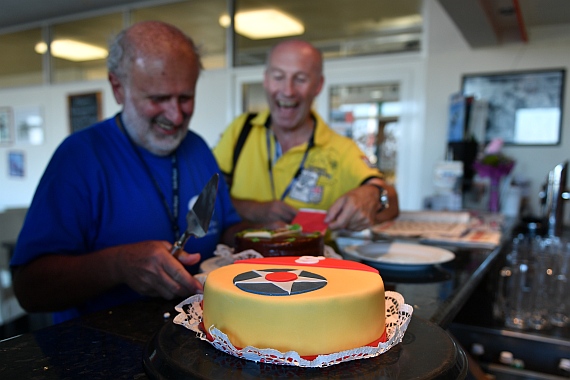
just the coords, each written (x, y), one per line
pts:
(399, 256)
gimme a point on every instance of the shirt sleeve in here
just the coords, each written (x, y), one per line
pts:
(357, 167)
(59, 216)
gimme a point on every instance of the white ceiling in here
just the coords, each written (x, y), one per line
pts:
(482, 22)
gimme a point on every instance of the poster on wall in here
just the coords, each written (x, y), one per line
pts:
(16, 164)
(29, 123)
(84, 110)
(6, 126)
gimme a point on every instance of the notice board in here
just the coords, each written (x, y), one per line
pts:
(84, 110)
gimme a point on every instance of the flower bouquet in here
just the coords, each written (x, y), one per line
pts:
(494, 165)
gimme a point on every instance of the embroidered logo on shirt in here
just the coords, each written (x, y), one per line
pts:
(367, 161)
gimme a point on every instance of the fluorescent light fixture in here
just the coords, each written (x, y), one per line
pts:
(264, 23)
(72, 50)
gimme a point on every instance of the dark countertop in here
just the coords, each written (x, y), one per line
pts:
(114, 344)
(110, 344)
(103, 345)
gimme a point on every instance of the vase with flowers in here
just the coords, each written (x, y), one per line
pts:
(495, 165)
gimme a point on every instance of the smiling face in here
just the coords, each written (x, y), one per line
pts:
(293, 78)
(157, 94)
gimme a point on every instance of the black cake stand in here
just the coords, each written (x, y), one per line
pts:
(426, 352)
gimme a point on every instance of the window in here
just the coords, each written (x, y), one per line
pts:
(339, 28)
(198, 19)
(96, 32)
(369, 115)
(19, 64)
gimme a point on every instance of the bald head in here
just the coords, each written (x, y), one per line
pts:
(303, 49)
(293, 78)
(149, 40)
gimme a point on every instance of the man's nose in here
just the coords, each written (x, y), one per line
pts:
(288, 87)
(174, 111)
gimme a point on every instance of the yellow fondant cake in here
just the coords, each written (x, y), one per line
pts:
(310, 305)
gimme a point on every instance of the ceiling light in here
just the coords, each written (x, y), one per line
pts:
(264, 23)
(72, 50)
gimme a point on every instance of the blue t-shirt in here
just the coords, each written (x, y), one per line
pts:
(95, 193)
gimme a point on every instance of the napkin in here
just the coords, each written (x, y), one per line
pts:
(311, 220)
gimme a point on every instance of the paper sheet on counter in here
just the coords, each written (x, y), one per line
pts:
(425, 223)
(444, 227)
(473, 238)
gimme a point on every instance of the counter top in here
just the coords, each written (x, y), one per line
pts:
(110, 344)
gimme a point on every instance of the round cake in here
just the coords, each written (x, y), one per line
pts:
(288, 241)
(311, 305)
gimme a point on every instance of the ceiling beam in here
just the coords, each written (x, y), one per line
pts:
(472, 19)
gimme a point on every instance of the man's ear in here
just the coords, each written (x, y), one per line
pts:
(118, 89)
(320, 85)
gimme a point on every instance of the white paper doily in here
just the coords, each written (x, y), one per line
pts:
(398, 316)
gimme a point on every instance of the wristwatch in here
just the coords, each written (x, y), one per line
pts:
(383, 199)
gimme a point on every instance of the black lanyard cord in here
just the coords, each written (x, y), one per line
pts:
(172, 214)
(310, 144)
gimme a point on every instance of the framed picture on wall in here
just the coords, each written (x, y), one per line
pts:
(16, 164)
(523, 107)
(84, 110)
(6, 126)
(29, 125)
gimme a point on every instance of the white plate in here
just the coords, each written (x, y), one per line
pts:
(399, 256)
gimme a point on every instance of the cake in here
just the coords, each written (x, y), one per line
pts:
(311, 305)
(287, 241)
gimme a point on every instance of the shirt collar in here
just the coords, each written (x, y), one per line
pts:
(322, 133)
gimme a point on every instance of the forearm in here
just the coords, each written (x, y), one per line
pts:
(264, 213)
(228, 237)
(393, 209)
(391, 212)
(249, 210)
(57, 282)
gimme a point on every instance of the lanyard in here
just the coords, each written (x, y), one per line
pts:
(310, 144)
(172, 215)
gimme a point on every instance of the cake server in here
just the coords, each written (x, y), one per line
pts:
(198, 218)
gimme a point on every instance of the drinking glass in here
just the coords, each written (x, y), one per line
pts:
(515, 284)
(560, 294)
(541, 281)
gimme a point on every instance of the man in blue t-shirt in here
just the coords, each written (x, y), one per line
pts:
(114, 196)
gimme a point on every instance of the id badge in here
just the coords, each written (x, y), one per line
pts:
(305, 188)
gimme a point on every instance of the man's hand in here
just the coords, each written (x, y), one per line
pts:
(149, 269)
(56, 282)
(355, 210)
(360, 208)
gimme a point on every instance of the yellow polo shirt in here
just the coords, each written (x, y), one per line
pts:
(334, 165)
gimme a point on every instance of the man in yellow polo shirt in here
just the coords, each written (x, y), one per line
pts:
(290, 159)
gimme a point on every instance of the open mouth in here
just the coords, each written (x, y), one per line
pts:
(166, 128)
(287, 103)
